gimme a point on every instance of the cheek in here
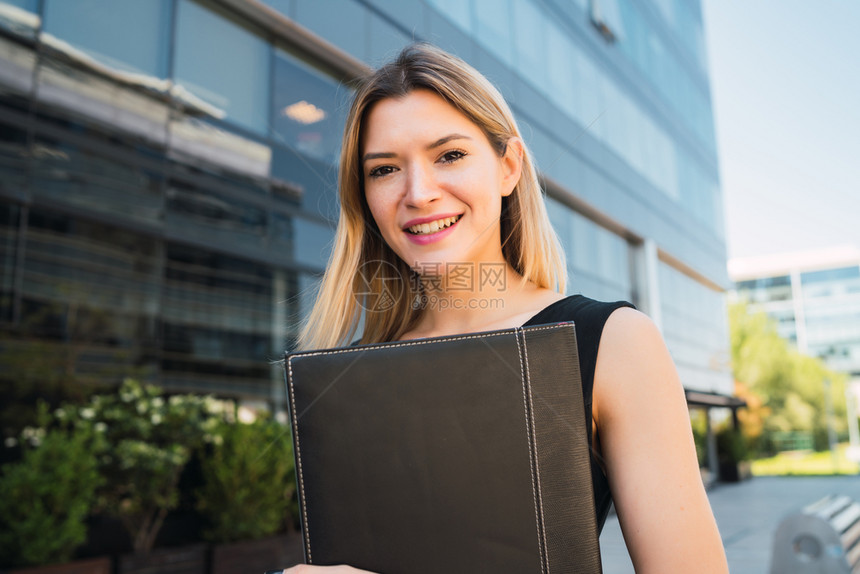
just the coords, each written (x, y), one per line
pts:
(383, 211)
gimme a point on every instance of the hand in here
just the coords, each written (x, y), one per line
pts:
(307, 569)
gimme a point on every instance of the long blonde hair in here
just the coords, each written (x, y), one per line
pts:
(363, 273)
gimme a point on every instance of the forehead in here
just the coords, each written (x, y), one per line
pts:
(420, 115)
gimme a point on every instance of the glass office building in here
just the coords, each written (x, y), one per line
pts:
(168, 171)
(813, 298)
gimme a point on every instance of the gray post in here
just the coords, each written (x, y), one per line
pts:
(279, 336)
(853, 429)
(831, 432)
(713, 461)
(646, 270)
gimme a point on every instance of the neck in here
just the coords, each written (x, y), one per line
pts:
(467, 296)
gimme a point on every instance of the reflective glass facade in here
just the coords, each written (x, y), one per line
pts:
(668, 141)
(145, 231)
(168, 169)
(695, 325)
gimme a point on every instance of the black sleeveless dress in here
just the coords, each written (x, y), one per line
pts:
(589, 317)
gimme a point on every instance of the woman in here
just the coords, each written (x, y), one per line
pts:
(443, 230)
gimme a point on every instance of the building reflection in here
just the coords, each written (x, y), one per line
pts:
(144, 229)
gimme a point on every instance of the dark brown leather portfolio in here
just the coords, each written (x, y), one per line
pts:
(465, 453)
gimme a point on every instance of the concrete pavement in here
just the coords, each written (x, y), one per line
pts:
(747, 514)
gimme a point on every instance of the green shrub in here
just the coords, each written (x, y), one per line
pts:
(700, 434)
(149, 439)
(731, 446)
(249, 481)
(46, 497)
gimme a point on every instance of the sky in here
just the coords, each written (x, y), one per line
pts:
(785, 82)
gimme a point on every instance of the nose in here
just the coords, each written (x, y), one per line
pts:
(421, 186)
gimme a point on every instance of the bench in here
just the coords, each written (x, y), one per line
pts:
(823, 538)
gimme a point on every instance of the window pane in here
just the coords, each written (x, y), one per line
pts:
(9, 222)
(309, 109)
(493, 23)
(282, 232)
(559, 216)
(217, 322)
(13, 161)
(196, 211)
(830, 275)
(28, 5)
(127, 35)
(458, 12)
(563, 57)
(224, 65)
(313, 182)
(696, 330)
(584, 239)
(313, 241)
(17, 63)
(91, 293)
(529, 34)
(590, 92)
(77, 174)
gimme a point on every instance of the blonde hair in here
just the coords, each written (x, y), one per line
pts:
(363, 271)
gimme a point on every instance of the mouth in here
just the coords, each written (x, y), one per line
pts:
(433, 226)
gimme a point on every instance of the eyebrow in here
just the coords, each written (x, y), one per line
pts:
(437, 143)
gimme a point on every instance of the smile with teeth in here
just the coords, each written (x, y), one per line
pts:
(434, 226)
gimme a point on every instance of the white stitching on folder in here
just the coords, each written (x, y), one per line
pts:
(534, 435)
(532, 457)
(383, 346)
(299, 462)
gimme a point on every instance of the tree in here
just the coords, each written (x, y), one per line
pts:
(785, 390)
(148, 440)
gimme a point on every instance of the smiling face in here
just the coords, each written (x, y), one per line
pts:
(433, 181)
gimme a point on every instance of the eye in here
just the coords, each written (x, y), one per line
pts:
(381, 171)
(452, 156)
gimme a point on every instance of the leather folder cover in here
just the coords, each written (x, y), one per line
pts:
(464, 453)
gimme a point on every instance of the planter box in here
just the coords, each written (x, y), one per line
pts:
(89, 566)
(179, 560)
(735, 471)
(258, 555)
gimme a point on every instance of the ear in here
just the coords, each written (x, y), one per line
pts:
(512, 165)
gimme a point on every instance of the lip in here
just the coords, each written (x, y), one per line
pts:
(431, 237)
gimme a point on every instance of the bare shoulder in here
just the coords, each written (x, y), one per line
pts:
(627, 329)
(630, 342)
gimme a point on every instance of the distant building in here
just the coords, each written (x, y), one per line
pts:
(814, 297)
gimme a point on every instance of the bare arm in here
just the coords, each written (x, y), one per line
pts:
(647, 443)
